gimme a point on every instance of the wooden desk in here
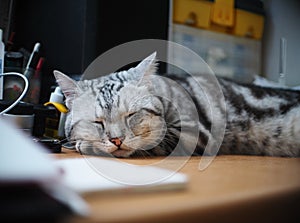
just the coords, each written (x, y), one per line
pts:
(231, 189)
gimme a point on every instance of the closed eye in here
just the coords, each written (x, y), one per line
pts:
(99, 123)
(152, 111)
(131, 114)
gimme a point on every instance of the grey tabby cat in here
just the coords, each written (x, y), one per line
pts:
(134, 112)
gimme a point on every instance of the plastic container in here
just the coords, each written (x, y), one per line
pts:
(228, 56)
(22, 115)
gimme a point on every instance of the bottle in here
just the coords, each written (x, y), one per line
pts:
(1, 64)
(57, 96)
(55, 126)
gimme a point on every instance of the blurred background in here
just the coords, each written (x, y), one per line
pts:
(238, 39)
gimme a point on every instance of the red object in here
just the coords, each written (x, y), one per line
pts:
(40, 64)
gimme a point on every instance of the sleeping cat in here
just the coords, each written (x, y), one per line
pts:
(135, 112)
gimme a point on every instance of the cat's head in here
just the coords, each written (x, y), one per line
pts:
(116, 114)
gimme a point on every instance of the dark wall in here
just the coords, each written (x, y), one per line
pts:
(132, 20)
(57, 25)
(74, 32)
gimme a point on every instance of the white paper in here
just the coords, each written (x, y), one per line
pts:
(86, 175)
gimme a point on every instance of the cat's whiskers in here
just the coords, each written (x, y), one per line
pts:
(142, 153)
(70, 140)
(64, 140)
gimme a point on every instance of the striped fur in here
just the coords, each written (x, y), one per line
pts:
(137, 113)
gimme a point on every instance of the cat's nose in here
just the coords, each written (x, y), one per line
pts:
(116, 141)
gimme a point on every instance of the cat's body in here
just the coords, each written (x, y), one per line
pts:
(261, 121)
(135, 113)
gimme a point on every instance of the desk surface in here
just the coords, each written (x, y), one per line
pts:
(231, 189)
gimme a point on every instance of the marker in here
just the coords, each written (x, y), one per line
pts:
(40, 64)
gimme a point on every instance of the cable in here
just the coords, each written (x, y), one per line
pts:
(23, 93)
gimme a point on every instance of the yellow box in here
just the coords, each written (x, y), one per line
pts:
(200, 13)
(192, 12)
(248, 24)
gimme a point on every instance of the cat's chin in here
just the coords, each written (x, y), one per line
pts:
(122, 153)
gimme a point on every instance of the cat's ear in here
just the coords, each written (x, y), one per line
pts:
(147, 67)
(67, 85)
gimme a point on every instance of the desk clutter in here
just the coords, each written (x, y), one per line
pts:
(39, 122)
(20, 87)
(26, 63)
